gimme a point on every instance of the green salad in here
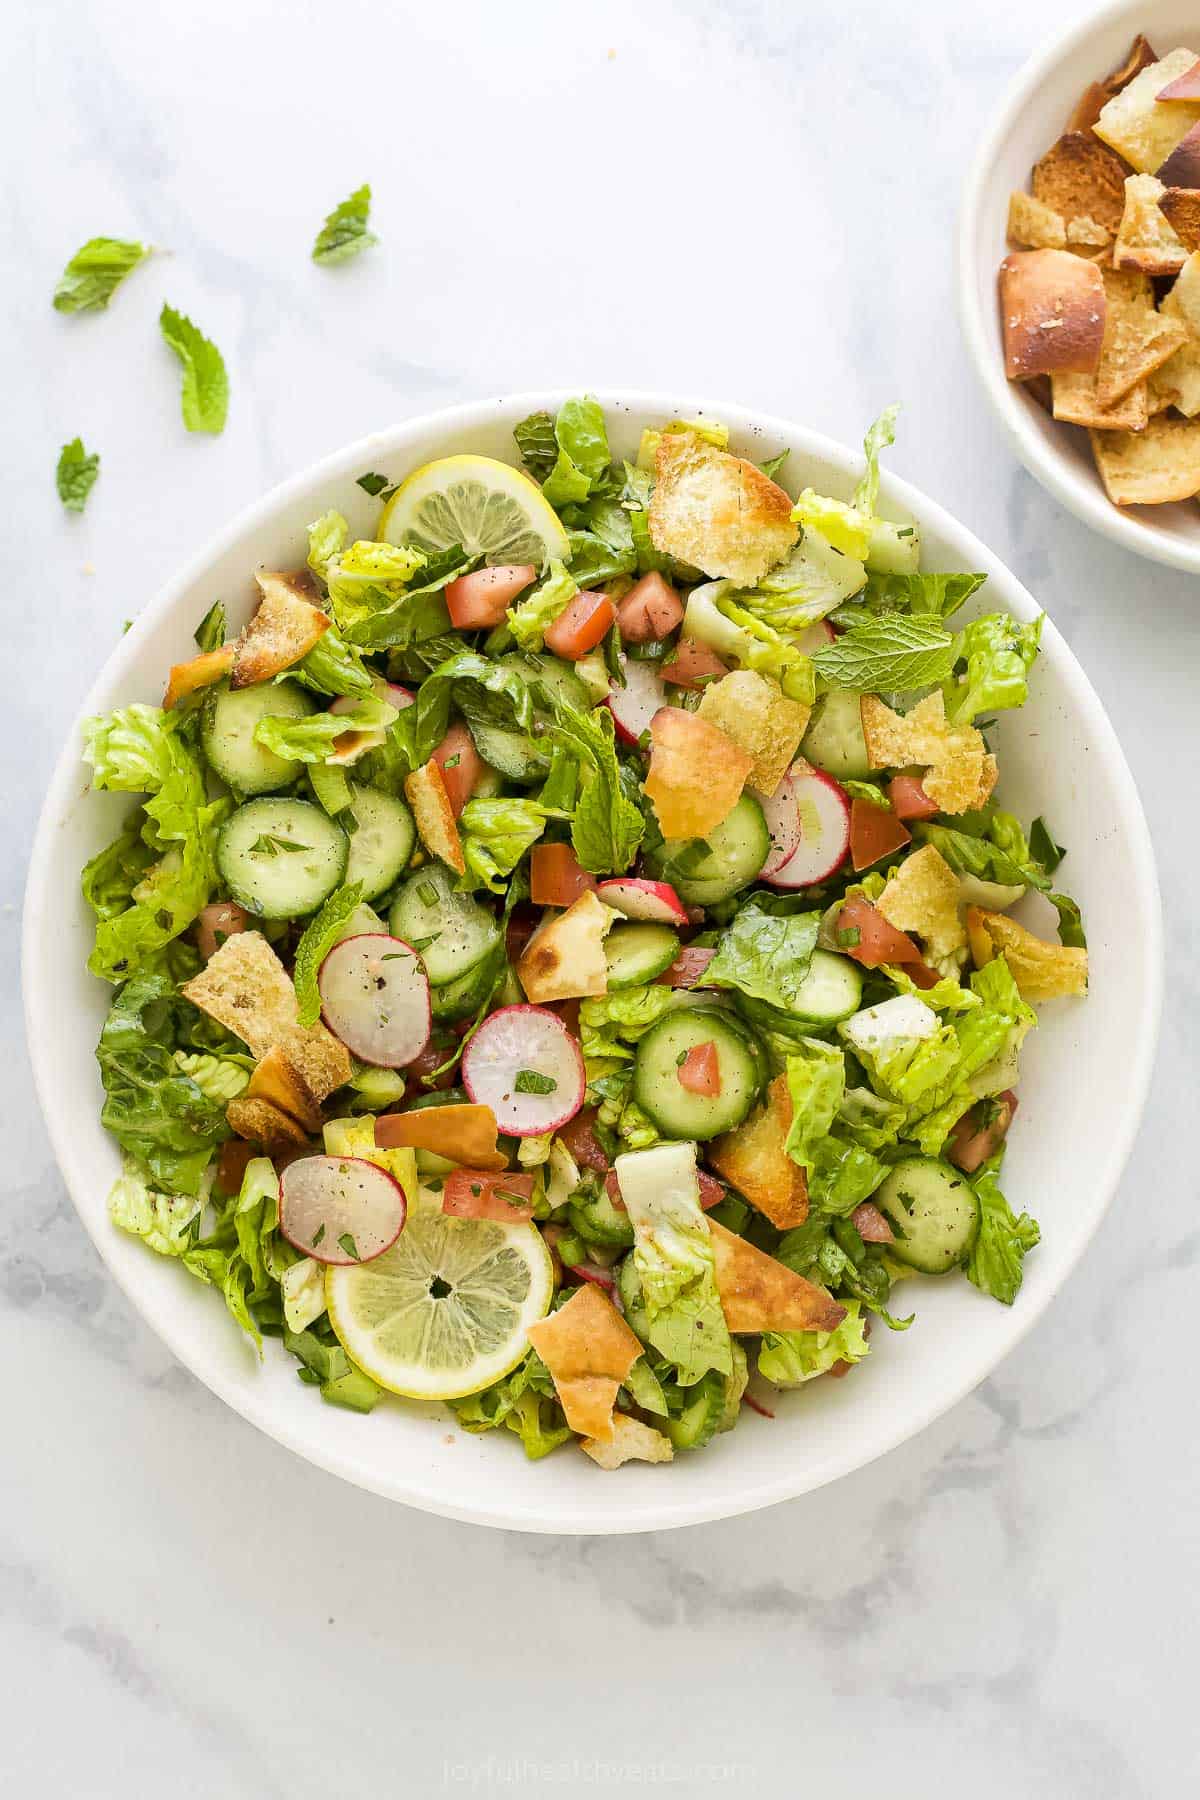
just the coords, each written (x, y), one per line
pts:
(561, 947)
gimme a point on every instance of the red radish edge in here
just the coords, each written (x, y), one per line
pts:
(496, 1054)
(390, 1043)
(816, 856)
(757, 1406)
(782, 815)
(305, 1216)
(634, 705)
(654, 902)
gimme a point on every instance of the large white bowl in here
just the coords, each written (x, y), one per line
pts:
(1084, 1075)
(1032, 114)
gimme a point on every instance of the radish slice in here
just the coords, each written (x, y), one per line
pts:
(634, 705)
(375, 997)
(815, 637)
(782, 814)
(515, 1052)
(655, 901)
(340, 1209)
(823, 811)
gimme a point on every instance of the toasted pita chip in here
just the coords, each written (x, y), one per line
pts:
(1089, 233)
(246, 988)
(283, 630)
(301, 1070)
(277, 1081)
(760, 1294)
(696, 775)
(1177, 382)
(1079, 178)
(1185, 86)
(1151, 467)
(564, 959)
(922, 896)
(1032, 223)
(961, 773)
(761, 721)
(425, 791)
(1052, 312)
(1094, 97)
(589, 1350)
(1137, 339)
(1075, 402)
(264, 1123)
(753, 1159)
(1041, 970)
(1145, 239)
(1138, 125)
(717, 512)
(1181, 171)
(201, 672)
(1180, 207)
(1182, 302)
(463, 1134)
(631, 1442)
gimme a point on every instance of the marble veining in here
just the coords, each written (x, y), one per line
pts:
(742, 197)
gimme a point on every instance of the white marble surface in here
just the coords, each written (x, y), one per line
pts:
(752, 199)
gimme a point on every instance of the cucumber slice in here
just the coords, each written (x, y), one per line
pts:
(703, 1411)
(462, 998)
(281, 858)
(831, 991)
(933, 1211)
(637, 953)
(381, 842)
(511, 753)
(657, 1088)
(629, 1286)
(451, 932)
(834, 739)
(598, 1221)
(737, 849)
(227, 734)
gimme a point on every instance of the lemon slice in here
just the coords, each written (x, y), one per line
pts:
(488, 507)
(443, 1312)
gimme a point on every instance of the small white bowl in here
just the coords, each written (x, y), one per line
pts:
(1031, 116)
(1084, 1073)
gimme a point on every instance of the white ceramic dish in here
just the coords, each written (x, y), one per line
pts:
(1084, 1073)
(1032, 114)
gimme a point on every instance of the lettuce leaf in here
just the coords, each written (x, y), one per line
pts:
(995, 1263)
(156, 1111)
(524, 1402)
(166, 1223)
(880, 435)
(790, 1358)
(841, 1171)
(581, 434)
(938, 595)
(726, 625)
(999, 653)
(109, 879)
(326, 540)
(764, 956)
(141, 749)
(495, 836)
(673, 1256)
(311, 739)
(219, 1078)
(607, 824)
(530, 619)
(332, 666)
(537, 444)
(611, 1024)
(997, 851)
(368, 578)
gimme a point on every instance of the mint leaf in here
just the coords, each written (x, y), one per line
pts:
(765, 957)
(205, 397)
(889, 651)
(607, 826)
(940, 594)
(376, 485)
(321, 933)
(95, 272)
(76, 474)
(345, 232)
(532, 1081)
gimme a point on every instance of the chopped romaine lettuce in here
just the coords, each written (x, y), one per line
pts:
(764, 955)
(790, 1358)
(530, 619)
(995, 1263)
(673, 1255)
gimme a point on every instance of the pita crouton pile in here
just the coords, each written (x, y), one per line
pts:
(1100, 301)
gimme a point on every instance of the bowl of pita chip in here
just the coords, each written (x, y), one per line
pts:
(1079, 274)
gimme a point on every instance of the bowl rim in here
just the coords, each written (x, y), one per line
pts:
(657, 1512)
(1080, 492)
